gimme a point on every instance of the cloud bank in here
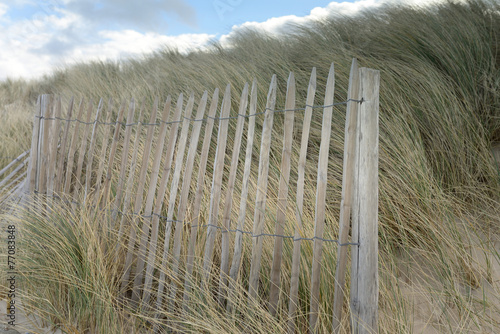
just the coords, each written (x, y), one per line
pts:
(68, 31)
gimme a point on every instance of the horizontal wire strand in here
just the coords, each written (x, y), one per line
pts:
(201, 119)
(222, 229)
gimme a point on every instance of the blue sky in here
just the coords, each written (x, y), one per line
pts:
(38, 36)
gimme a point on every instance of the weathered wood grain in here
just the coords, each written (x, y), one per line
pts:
(319, 219)
(260, 201)
(295, 271)
(275, 286)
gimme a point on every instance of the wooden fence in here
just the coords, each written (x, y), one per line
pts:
(95, 153)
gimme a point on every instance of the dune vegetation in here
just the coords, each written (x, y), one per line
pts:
(439, 212)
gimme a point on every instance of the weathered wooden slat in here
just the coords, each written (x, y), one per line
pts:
(199, 196)
(183, 201)
(295, 271)
(172, 195)
(34, 152)
(238, 241)
(14, 162)
(104, 149)
(11, 191)
(14, 173)
(215, 195)
(90, 153)
(347, 193)
(150, 199)
(139, 195)
(123, 166)
(319, 219)
(55, 130)
(282, 195)
(62, 151)
(72, 149)
(226, 216)
(130, 177)
(260, 201)
(44, 144)
(167, 167)
(83, 149)
(112, 153)
(174, 187)
(365, 303)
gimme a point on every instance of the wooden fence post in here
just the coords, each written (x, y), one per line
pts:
(364, 296)
(347, 193)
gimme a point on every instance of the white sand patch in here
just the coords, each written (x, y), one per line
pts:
(24, 323)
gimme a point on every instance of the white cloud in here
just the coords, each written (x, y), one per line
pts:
(3, 9)
(280, 25)
(33, 47)
(118, 45)
(145, 15)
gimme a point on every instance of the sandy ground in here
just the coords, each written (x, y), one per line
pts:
(23, 324)
(433, 313)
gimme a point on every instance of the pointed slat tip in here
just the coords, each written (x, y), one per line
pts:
(180, 98)
(254, 85)
(272, 86)
(331, 77)
(313, 72)
(332, 70)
